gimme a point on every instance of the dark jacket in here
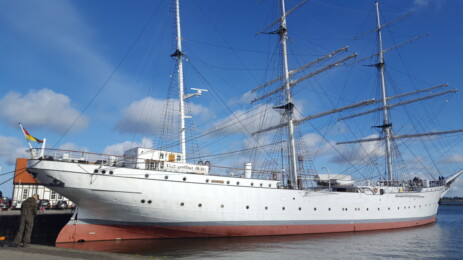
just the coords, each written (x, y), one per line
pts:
(29, 208)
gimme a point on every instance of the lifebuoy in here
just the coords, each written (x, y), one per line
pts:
(375, 190)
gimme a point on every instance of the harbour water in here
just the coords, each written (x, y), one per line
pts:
(441, 240)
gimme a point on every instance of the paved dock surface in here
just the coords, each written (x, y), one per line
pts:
(38, 252)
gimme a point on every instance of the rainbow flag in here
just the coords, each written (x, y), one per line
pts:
(30, 137)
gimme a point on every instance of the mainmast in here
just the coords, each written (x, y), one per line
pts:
(289, 105)
(386, 122)
(179, 55)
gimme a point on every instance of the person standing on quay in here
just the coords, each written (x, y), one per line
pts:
(28, 212)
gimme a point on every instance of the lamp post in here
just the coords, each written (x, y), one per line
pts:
(329, 177)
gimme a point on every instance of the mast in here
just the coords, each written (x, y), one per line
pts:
(386, 122)
(178, 54)
(289, 105)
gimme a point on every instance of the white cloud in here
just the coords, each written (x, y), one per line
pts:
(59, 27)
(43, 108)
(360, 153)
(146, 116)
(454, 158)
(421, 3)
(120, 148)
(73, 147)
(248, 122)
(11, 148)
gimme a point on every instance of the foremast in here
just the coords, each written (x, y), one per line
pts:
(386, 122)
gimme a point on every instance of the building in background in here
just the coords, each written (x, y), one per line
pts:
(24, 186)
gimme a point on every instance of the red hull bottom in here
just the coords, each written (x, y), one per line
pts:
(93, 232)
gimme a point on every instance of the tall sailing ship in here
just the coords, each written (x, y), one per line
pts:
(155, 193)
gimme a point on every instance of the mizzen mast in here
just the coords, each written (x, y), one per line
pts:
(289, 107)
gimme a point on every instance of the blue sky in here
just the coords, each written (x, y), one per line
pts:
(110, 60)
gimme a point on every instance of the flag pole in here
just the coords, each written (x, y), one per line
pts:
(24, 133)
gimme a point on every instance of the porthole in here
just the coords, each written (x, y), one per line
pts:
(166, 177)
(221, 206)
(252, 183)
(95, 171)
(270, 185)
(314, 209)
(207, 180)
(388, 208)
(329, 209)
(283, 208)
(368, 209)
(142, 201)
(103, 171)
(261, 184)
(184, 178)
(228, 182)
(266, 208)
(378, 209)
(149, 201)
(300, 208)
(111, 172)
(182, 204)
(247, 207)
(147, 175)
(237, 183)
(398, 208)
(200, 205)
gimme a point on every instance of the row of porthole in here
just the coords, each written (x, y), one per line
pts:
(207, 181)
(315, 209)
(103, 171)
(143, 201)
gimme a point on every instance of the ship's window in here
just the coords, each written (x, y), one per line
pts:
(247, 207)
(110, 172)
(314, 209)
(147, 175)
(261, 184)
(161, 156)
(378, 208)
(178, 158)
(237, 183)
(300, 208)
(103, 171)
(95, 171)
(222, 206)
(149, 201)
(142, 201)
(329, 209)
(270, 185)
(184, 178)
(388, 208)
(182, 204)
(283, 208)
(367, 209)
(228, 182)
(200, 205)
(207, 180)
(166, 177)
(252, 183)
(266, 208)
(294, 198)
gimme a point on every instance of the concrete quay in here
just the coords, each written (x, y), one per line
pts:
(38, 252)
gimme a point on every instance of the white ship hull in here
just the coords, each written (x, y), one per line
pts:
(125, 203)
